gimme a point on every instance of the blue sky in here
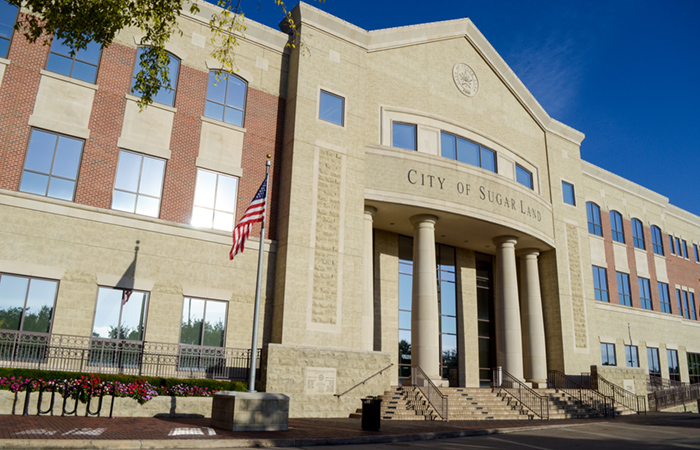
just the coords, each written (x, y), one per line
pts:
(626, 73)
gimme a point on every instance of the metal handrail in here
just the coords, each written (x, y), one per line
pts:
(364, 381)
(538, 404)
(679, 395)
(655, 383)
(435, 398)
(630, 400)
(594, 399)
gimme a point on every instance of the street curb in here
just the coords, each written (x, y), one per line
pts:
(49, 444)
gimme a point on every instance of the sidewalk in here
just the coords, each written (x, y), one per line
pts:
(47, 432)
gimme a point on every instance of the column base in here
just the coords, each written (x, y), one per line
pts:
(537, 384)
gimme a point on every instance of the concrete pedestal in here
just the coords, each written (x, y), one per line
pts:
(250, 411)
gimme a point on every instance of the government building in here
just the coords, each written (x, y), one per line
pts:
(423, 211)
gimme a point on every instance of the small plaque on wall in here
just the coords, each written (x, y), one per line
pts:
(320, 380)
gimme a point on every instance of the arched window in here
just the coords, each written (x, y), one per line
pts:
(226, 98)
(82, 65)
(593, 213)
(657, 241)
(638, 234)
(8, 16)
(618, 233)
(166, 94)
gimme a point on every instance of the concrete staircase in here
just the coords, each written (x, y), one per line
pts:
(407, 403)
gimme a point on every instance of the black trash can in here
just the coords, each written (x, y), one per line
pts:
(371, 413)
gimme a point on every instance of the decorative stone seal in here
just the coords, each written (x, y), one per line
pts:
(465, 79)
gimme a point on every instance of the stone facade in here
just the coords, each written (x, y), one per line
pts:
(358, 224)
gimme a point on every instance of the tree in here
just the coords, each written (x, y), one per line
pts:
(77, 23)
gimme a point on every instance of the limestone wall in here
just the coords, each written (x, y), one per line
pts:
(310, 376)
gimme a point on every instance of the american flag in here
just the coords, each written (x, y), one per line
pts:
(254, 213)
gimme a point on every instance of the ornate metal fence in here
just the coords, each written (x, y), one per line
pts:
(95, 355)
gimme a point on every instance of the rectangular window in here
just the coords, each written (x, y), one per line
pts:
(568, 193)
(686, 307)
(465, 151)
(82, 65)
(653, 359)
(523, 176)
(623, 289)
(671, 245)
(679, 298)
(214, 201)
(697, 253)
(674, 371)
(679, 251)
(405, 305)
(332, 108)
(685, 249)
(51, 165)
(691, 302)
(403, 135)
(664, 300)
(645, 293)
(120, 315)
(8, 16)
(600, 284)
(203, 322)
(631, 356)
(139, 184)
(607, 352)
(694, 367)
(26, 304)
(226, 98)
(166, 92)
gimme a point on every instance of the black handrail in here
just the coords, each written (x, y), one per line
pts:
(538, 404)
(594, 399)
(666, 398)
(636, 403)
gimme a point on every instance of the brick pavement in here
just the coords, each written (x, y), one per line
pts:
(48, 432)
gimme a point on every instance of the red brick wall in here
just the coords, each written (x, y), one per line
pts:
(20, 85)
(264, 121)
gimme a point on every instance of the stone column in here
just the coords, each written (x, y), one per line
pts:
(508, 331)
(425, 330)
(533, 323)
(367, 330)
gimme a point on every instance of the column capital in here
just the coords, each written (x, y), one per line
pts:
(371, 210)
(505, 241)
(419, 219)
(529, 253)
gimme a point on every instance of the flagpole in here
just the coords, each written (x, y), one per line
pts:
(258, 289)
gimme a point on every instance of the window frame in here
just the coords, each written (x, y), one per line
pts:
(138, 193)
(671, 244)
(697, 252)
(617, 227)
(631, 356)
(685, 248)
(50, 175)
(606, 349)
(53, 54)
(323, 93)
(638, 234)
(520, 170)
(481, 151)
(173, 75)
(408, 125)
(9, 38)
(645, 293)
(566, 186)
(144, 311)
(657, 240)
(672, 356)
(216, 199)
(594, 227)
(25, 308)
(204, 315)
(598, 290)
(225, 77)
(624, 294)
(654, 361)
(664, 297)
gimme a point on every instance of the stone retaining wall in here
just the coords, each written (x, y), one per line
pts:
(123, 407)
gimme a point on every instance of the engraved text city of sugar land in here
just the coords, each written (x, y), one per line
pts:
(481, 192)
